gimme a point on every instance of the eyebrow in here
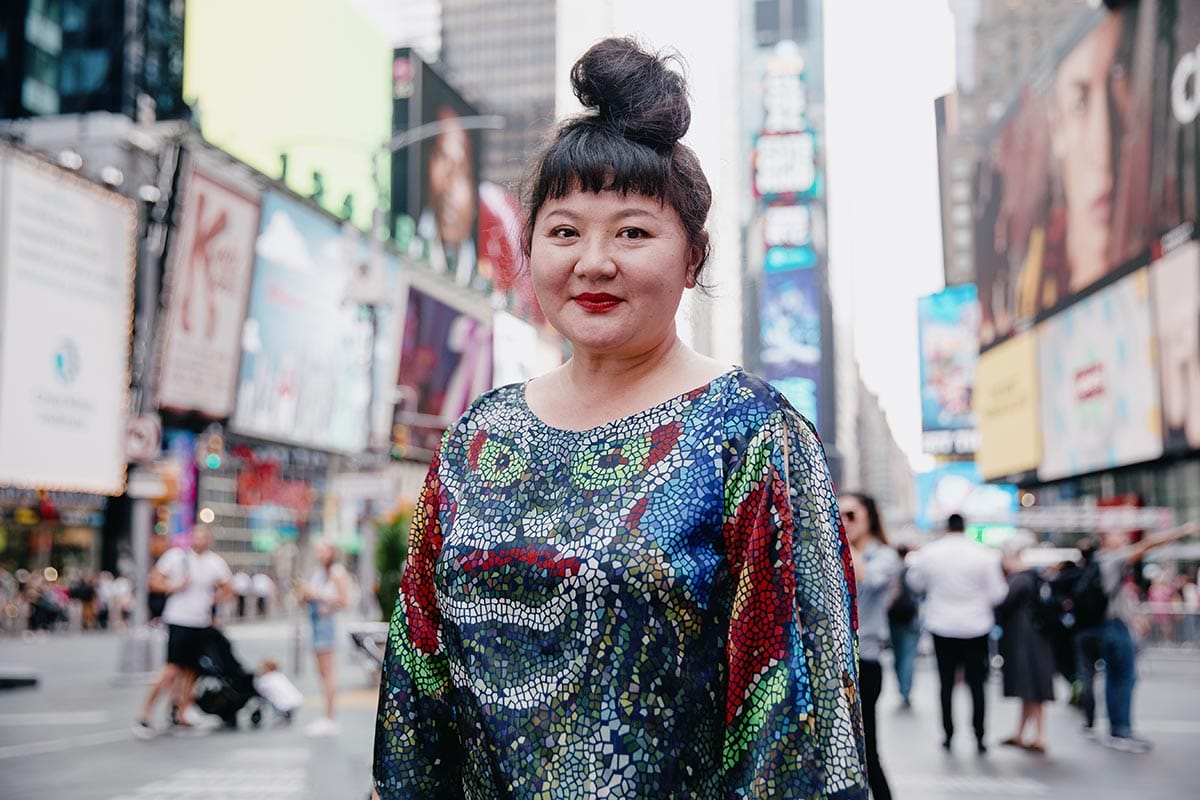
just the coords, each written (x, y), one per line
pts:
(575, 216)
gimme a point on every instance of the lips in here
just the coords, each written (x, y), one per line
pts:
(596, 302)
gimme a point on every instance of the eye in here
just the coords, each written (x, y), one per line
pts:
(562, 232)
(633, 233)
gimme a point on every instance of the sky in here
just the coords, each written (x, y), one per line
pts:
(885, 62)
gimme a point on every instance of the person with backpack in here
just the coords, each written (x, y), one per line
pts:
(1103, 618)
(904, 625)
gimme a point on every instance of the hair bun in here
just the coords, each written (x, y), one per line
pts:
(634, 92)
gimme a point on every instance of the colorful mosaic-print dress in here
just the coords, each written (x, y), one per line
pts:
(659, 607)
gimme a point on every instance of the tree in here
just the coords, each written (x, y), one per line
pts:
(390, 555)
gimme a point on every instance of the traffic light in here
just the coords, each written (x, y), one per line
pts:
(213, 449)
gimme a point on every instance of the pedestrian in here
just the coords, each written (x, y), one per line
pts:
(326, 593)
(1109, 638)
(243, 586)
(963, 582)
(876, 569)
(193, 581)
(904, 626)
(626, 577)
(1028, 653)
(264, 591)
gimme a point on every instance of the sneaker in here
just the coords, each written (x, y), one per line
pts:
(1128, 744)
(144, 730)
(321, 728)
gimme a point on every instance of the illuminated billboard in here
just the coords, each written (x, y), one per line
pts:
(1175, 299)
(948, 331)
(207, 284)
(271, 78)
(66, 302)
(1006, 405)
(1098, 387)
(957, 487)
(305, 350)
(790, 338)
(435, 180)
(445, 363)
(1095, 161)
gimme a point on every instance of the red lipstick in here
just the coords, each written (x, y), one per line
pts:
(596, 302)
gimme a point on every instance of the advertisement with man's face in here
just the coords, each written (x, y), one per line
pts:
(1175, 300)
(1099, 390)
(306, 350)
(435, 181)
(948, 330)
(67, 257)
(207, 285)
(445, 362)
(1087, 170)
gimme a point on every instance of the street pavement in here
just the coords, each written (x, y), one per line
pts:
(70, 737)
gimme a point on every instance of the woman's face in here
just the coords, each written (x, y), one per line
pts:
(609, 270)
(854, 519)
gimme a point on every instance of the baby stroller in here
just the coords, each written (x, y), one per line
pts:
(224, 687)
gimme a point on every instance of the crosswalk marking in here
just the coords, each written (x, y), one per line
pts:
(970, 785)
(39, 718)
(225, 783)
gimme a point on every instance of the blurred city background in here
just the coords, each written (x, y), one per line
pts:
(255, 255)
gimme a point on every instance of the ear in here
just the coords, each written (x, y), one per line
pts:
(693, 266)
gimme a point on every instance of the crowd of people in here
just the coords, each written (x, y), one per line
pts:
(1048, 625)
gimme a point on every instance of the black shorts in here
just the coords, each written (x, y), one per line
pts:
(185, 645)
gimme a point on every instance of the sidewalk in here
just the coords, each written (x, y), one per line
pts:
(71, 737)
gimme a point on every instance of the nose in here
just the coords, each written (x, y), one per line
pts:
(595, 261)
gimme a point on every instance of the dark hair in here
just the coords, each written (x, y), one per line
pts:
(874, 521)
(627, 141)
(955, 523)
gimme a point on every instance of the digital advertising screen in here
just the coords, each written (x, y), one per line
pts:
(1006, 392)
(310, 83)
(67, 259)
(948, 331)
(1175, 303)
(790, 336)
(1099, 387)
(957, 487)
(445, 362)
(207, 285)
(306, 351)
(1094, 161)
(435, 180)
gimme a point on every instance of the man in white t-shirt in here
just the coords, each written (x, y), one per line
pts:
(195, 581)
(963, 582)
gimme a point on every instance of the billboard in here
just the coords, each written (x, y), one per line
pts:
(67, 258)
(1095, 160)
(790, 336)
(445, 363)
(270, 81)
(208, 282)
(435, 181)
(1175, 300)
(957, 487)
(948, 331)
(1099, 391)
(306, 351)
(1006, 405)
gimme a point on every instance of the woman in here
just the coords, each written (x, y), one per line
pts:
(325, 593)
(625, 576)
(1028, 654)
(876, 570)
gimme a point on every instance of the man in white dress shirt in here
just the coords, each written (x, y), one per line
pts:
(963, 582)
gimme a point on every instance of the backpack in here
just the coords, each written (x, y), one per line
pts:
(1047, 606)
(904, 606)
(1089, 600)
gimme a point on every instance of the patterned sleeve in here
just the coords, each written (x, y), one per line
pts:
(793, 721)
(415, 742)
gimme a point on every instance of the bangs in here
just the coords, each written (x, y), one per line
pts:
(596, 159)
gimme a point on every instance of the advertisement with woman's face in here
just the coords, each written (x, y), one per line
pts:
(1087, 170)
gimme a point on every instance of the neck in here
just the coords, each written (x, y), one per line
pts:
(588, 370)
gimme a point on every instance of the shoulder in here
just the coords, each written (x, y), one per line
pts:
(750, 404)
(496, 411)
